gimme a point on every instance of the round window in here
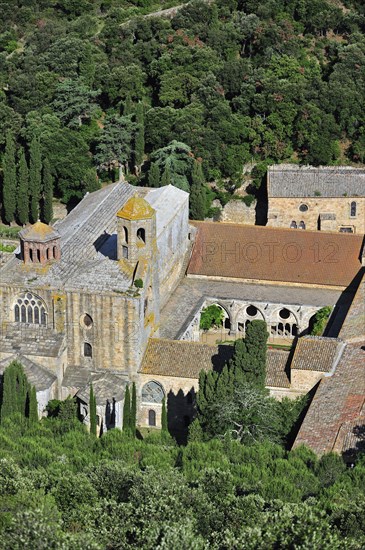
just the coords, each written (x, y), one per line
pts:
(86, 321)
(251, 311)
(303, 207)
(284, 313)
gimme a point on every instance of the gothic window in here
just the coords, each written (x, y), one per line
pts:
(141, 234)
(353, 209)
(293, 225)
(88, 350)
(38, 256)
(30, 309)
(152, 392)
(151, 417)
(301, 225)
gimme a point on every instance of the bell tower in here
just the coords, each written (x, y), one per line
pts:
(40, 243)
(136, 228)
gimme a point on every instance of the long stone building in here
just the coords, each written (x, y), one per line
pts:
(113, 294)
(327, 198)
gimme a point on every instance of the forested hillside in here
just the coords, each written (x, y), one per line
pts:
(94, 87)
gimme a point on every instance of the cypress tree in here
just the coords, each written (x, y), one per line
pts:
(15, 390)
(127, 411)
(133, 419)
(128, 106)
(35, 178)
(166, 176)
(139, 143)
(154, 176)
(9, 181)
(164, 416)
(33, 405)
(23, 189)
(92, 411)
(197, 193)
(47, 210)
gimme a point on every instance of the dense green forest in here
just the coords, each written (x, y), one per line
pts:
(89, 88)
(63, 488)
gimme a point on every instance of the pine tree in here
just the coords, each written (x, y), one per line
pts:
(47, 210)
(139, 142)
(92, 411)
(9, 182)
(197, 193)
(33, 405)
(23, 189)
(127, 411)
(154, 177)
(164, 416)
(133, 418)
(35, 178)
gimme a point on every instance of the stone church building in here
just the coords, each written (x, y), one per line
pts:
(113, 294)
(327, 198)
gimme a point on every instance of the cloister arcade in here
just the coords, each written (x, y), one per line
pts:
(284, 321)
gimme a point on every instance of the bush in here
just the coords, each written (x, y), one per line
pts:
(211, 316)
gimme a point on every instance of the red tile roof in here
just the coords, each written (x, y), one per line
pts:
(273, 254)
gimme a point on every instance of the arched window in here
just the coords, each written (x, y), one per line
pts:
(48, 253)
(88, 350)
(38, 256)
(152, 392)
(301, 225)
(125, 235)
(141, 234)
(54, 252)
(30, 309)
(353, 209)
(31, 255)
(293, 225)
(151, 417)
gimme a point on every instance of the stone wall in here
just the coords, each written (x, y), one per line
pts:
(236, 211)
(283, 211)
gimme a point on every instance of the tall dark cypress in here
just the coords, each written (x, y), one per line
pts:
(154, 176)
(47, 209)
(127, 411)
(164, 416)
(22, 206)
(92, 411)
(9, 179)
(35, 178)
(197, 193)
(139, 142)
(15, 391)
(133, 420)
(33, 405)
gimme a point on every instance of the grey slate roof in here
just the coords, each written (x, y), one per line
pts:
(316, 353)
(106, 386)
(290, 180)
(166, 201)
(37, 375)
(82, 232)
(31, 340)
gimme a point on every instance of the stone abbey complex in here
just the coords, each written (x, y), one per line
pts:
(113, 294)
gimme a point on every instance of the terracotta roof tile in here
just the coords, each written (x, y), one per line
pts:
(184, 359)
(339, 399)
(317, 353)
(265, 253)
